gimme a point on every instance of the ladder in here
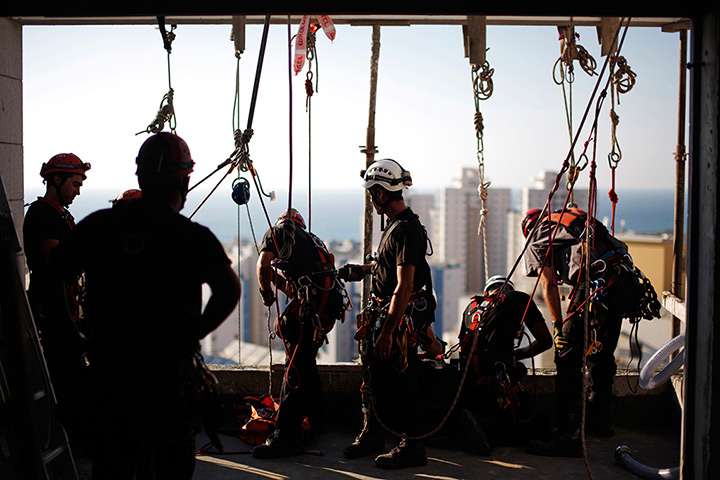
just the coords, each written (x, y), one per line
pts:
(33, 442)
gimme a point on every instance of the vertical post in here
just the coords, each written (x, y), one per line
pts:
(700, 446)
(678, 285)
(369, 152)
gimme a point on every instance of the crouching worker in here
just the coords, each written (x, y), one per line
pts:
(402, 304)
(317, 299)
(494, 407)
(145, 265)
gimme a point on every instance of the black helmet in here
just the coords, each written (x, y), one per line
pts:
(164, 155)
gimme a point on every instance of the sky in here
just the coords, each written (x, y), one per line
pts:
(89, 90)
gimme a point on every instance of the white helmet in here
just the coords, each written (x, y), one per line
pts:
(387, 173)
(496, 282)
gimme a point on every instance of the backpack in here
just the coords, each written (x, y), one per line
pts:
(620, 287)
(488, 352)
(328, 295)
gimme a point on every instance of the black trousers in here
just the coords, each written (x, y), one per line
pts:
(569, 352)
(138, 429)
(301, 391)
(394, 395)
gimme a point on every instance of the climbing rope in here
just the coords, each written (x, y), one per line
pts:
(240, 157)
(305, 48)
(166, 111)
(592, 195)
(482, 89)
(623, 80)
(588, 245)
(367, 390)
(564, 73)
(312, 60)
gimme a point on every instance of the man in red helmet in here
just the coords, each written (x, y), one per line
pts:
(145, 265)
(296, 262)
(556, 252)
(47, 222)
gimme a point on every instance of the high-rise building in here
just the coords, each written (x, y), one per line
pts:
(536, 195)
(458, 223)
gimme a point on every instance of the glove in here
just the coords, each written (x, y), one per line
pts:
(268, 297)
(350, 273)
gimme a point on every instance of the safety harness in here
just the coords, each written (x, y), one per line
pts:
(618, 286)
(321, 297)
(501, 376)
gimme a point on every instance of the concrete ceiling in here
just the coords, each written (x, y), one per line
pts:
(667, 23)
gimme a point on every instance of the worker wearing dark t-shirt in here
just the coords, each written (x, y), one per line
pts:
(555, 253)
(145, 265)
(403, 305)
(495, 407)
(305, 272)
(47, 222)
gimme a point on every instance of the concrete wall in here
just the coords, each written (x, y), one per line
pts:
(341, 392)
(11, 120)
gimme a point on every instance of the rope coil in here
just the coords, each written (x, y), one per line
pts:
(166, 112)
(482, 80)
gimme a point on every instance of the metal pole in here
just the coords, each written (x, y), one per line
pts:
(678, 287)
(369, 152)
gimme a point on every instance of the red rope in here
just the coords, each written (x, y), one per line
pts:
(614, 199)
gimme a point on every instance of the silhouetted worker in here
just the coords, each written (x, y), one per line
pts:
(495, 407)
(296, 262)
(47, 222)
(145, 265)
(557, 252)
(402, 304)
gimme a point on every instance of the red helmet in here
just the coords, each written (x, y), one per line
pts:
(294, 216)
(164, 154)
(529, 220)
(129, 194)
(64, 163)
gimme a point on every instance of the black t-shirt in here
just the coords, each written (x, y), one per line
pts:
(43, 221)
(144, 266)
(404, 242)
(304, 257)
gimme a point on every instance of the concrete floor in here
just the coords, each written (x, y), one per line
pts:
(650, 446)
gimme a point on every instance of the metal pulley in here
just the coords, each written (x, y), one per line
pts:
(241, 191)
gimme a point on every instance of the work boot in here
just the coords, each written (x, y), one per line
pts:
(408, 453)
(369, 441)
(277, 447)
(557, 444)
(476, 440)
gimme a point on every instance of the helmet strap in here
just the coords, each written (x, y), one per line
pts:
(58, 188)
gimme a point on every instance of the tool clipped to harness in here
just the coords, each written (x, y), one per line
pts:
(241, 191)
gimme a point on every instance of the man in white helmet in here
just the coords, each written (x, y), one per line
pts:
(402, 305)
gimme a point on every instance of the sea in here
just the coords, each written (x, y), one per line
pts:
(337, 214)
